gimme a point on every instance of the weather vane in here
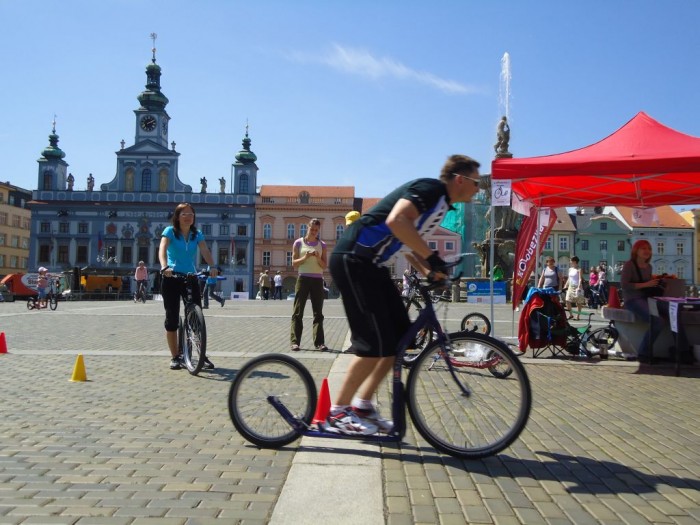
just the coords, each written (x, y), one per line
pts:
(153, 37)
(53, 124)
(246, 127)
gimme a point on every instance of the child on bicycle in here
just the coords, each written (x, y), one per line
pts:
(177, 253)
(42, 283)
(376, 314)
(141, 278)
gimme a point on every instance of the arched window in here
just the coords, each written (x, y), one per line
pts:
(303, 229)
(267, 231)
(290, 231)
(339, 230)
(304, 197)
(243, 183)
(48, 180)
(146, 180)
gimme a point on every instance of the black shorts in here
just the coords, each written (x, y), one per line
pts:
(376, 314)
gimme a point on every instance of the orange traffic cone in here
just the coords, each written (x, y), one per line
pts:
(3, 343)
(79, 373)
(613, 298)
(323, 407)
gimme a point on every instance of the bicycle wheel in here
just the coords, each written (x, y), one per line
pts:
(470, 426)
(53, 301)
(424, 337)
(255, 418)
(601, 340)
(476, 322)
(30, 304)
(195, 339)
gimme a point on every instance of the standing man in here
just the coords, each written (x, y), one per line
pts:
(373, 305)
(278, 285)
(264, 283)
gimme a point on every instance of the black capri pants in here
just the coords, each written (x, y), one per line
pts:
(173, 289)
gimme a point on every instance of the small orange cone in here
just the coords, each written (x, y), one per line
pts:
(79, 373)
(3, 343)
(614, 298)
(323, 407)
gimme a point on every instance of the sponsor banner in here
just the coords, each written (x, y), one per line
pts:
(529, 238)
(482, 288)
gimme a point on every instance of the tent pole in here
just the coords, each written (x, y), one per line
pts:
(490, 271)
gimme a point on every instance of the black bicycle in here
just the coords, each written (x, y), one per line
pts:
(464, 411)
(192, 331)
(141, 293)
(33, 303)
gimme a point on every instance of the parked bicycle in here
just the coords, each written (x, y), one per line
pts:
(51, 298)
(460, 410)
(590, 343)
(192, 330)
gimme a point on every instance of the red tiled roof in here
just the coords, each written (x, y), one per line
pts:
(668, 218)
(369, 202)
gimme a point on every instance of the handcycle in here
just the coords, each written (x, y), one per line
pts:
(51, 298)
(192, 330)
(460, 410)
(140, 294)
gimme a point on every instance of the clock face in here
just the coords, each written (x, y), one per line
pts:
(148, 123)
(164, 127)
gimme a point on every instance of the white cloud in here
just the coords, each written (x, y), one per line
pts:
(363, 63)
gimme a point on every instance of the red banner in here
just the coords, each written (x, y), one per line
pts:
(526, 247)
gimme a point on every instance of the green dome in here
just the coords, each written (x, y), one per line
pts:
(52, 151)
(246, 156)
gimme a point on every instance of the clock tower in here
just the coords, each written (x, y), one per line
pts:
(151, 117)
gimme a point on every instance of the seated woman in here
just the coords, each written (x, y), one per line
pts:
(636, 281)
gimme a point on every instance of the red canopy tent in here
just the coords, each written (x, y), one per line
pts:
(643, 164)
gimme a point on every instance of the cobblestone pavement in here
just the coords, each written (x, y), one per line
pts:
(139, 444)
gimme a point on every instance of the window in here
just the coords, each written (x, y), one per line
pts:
(224, 229)
(14, 242)
(584, 245)
(679, 248)
(267, 231)
(81, 256)
(603, 226)
(563, 242)
(660, 250)
(83, 227)
(288, 259)
(303, 229)
(45, 227)
(266, 258)
(127, 255)
(432, 245)
(223, 256)
(449, 246)
(290, 232)
(25, 243)
(63, 253)
(44, 252)
(2, 239)
(243, 183)
(548, 244)
(48, 180)
(2, 260)
(146, 180)
(206, 229)
(603, 245)
(13, 261)
(16, 221)
(241, 255)
(680, 271)
(26, 223)
(339, 230)
(242, 230)
(620, 246)
(662, 268)
(64, 227)
(3, 218)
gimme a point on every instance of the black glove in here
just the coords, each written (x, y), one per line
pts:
(436, 263)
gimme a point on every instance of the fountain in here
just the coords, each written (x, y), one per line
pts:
(505, 220)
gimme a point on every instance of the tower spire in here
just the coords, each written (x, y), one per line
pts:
(154, 37)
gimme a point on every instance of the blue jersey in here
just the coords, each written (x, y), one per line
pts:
(369, 237)
(182, 252)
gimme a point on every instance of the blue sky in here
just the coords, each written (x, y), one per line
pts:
(363, 93)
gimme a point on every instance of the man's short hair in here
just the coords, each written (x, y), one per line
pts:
(458, 165)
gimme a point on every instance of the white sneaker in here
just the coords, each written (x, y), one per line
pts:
(348, 423)
(372, 415)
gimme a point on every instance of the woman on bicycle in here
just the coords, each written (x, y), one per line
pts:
(141, 278)
(177, 253)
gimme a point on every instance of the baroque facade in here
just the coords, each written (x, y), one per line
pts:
(111, 228)
(15, 229)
